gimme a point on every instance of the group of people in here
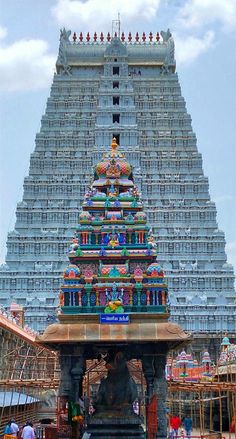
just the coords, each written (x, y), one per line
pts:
(176, 423)
(12, 431)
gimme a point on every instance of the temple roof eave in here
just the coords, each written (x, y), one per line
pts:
(141, 331)
(144, 52)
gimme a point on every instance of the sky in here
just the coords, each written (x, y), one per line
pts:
(204, 34)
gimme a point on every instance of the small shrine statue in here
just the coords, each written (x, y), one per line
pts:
(75, 245)
(114, 242)
(113, 169)
(151, 241)
(129, 217)
(90, 193)
(115, 299)
(112, 192)
(96, 217)
(135, 192)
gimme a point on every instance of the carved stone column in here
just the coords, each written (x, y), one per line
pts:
(160, 388)
(149, 372)
(65, 379)
(77, 372)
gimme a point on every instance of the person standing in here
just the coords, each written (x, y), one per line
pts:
(28, 431)
(175, 423)
(7, 430)
(188, 425)
(14, 428)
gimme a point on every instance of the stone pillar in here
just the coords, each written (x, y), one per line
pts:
(77, 372)
(148, 371)
(65, 379)
(160, 388)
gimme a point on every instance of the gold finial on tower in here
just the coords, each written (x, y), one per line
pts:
(114, 145)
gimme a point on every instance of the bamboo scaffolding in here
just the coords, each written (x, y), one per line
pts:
(25, 369)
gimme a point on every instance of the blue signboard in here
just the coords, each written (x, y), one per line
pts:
(114, 319)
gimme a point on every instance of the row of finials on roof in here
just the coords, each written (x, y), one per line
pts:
(109, 37)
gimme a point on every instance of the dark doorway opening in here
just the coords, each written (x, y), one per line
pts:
(116, 70)
(115, 84)
(116, 118)
(116, 100)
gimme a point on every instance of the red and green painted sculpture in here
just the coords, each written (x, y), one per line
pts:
(113, 266)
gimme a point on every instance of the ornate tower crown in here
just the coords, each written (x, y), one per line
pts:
(113, 164)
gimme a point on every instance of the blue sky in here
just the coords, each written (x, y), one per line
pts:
(204, 32)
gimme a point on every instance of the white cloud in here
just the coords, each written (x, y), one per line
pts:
(200, 13)
(191, 47)
(231, 253)
(25, 65)
(98, 15)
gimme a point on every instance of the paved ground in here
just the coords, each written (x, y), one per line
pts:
(225, 434)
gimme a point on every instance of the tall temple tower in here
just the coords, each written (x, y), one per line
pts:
(125, 87)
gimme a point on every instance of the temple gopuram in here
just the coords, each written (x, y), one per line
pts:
(114, 308)
(113, 255)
